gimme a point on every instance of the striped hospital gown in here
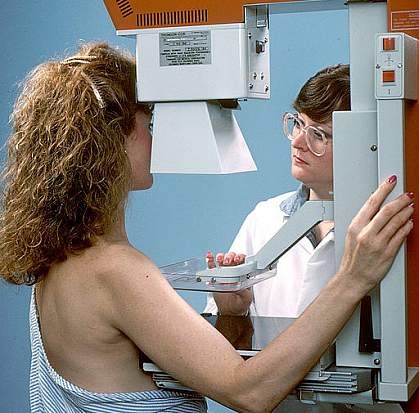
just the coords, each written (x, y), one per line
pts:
(51, 393)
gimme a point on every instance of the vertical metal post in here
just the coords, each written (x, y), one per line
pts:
(399, 60)
(355, 134)
(393, 287)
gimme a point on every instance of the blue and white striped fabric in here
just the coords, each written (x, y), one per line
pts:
(51, 393)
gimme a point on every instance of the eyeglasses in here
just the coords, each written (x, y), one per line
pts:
(148, 109)
(151, 124)
(316, 138)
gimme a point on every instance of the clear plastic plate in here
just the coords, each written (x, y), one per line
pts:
(193, 274)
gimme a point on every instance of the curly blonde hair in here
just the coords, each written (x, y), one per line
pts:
(67, 174)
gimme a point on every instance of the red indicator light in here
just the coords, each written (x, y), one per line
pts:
(389, 43)
(389, 76)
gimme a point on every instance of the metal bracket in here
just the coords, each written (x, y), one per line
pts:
(299, 224)
(256, 16)
(307, 397)
(262, 16)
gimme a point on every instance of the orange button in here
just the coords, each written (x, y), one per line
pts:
(389, 43)
(389, 76)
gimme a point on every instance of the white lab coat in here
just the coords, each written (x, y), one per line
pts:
(301, 272)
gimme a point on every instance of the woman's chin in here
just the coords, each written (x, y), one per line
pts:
(146, 183)
(299, 175)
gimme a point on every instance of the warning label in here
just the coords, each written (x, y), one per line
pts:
(185, 48)
(403, 20)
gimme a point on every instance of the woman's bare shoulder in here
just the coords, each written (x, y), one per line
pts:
(121, 266)
(122, 252)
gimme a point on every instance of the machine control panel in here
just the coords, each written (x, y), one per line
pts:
(396, 66)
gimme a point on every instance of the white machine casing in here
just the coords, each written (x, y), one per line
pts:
(220, 69)
(195, 75)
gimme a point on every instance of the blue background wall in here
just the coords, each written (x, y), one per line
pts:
(181, 216)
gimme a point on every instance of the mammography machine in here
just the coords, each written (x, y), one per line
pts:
(196, 59)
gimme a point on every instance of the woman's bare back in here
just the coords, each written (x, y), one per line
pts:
(80, 341)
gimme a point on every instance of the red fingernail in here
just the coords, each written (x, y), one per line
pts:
(411, 195)
(392, 179)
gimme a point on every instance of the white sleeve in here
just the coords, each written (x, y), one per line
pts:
(242, 244)
(211, 306)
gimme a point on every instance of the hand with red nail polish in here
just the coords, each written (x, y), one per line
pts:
(210, 260)
(237, 303)
(392, 179)
(375, 235)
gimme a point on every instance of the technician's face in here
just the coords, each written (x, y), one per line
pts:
(138, 149)
(314, 171)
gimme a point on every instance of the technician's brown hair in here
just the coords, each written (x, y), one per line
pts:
(67, 174)
(327, 91)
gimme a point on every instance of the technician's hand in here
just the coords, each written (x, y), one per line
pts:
(237, 303)
(230, 259)
(375, 235)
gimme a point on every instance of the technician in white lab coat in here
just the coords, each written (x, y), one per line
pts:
(305, 269)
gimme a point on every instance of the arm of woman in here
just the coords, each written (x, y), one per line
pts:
(180, 342)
